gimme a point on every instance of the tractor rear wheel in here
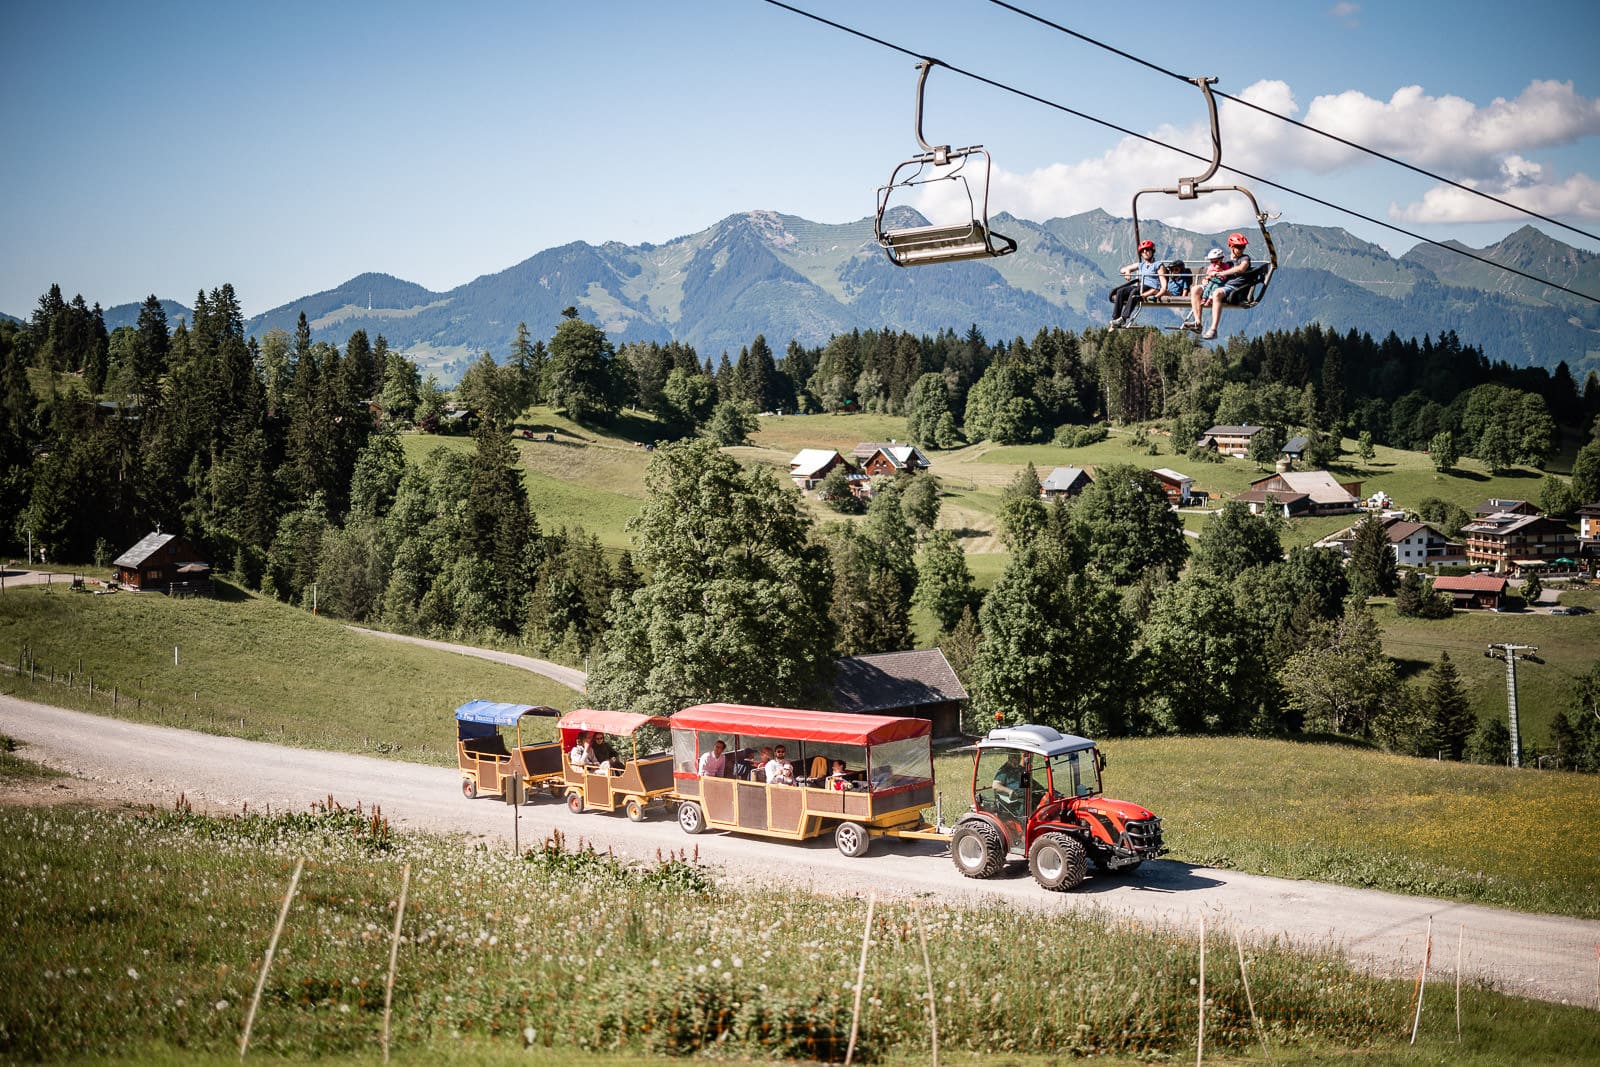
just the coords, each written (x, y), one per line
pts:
(977, 849)
(1058, 861)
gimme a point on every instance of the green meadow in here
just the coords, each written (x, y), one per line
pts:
(1269, 807)
(141, 936)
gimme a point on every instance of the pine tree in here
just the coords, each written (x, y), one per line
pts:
(1448, 714)
(1372, 563)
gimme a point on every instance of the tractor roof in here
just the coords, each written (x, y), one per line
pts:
(1040, 740)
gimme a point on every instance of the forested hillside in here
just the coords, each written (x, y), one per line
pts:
(282, 458)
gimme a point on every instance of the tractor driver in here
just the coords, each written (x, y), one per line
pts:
(1010, 780)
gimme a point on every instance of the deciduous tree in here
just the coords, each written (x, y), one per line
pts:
(737, 603)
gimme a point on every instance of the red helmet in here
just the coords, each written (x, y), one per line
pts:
(1237, 240)
(1151, 245)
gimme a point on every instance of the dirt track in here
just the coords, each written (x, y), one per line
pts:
(1547, 957)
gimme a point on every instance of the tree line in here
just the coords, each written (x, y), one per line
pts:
(282, 458)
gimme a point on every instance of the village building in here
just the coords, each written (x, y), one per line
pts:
(1177, 486)
(890, 460)
(1472, 590)
(1230, 440)
(1496, 506)
(1507, 540)
(811, 465)
(1414, 544)
(1294, 449)
(1294, 493)
(158, 561)
(918, 683)
(1065, 481)
(1589, 523)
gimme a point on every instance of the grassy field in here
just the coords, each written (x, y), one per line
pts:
(1358, 817)
(594, 477)
(1568, 644)
(141, 936)
(1309, 810)
(288, 676)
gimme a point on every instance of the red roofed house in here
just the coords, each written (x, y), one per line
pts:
(890, 460)
(811, 465)
(1473, 590)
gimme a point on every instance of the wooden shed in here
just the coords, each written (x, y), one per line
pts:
(918, 683)
(154, 562)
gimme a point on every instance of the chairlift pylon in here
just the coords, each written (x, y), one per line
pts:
(942, 242)
(1193, 188)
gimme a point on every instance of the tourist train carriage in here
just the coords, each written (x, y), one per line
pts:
(890, 780)
(633, 781)
(485, 761)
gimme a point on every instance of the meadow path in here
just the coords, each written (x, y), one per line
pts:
(570, 677)
(1548, 957)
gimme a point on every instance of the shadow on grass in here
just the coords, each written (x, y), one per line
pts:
(228, 593)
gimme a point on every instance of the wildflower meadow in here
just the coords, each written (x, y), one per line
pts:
(130, 930)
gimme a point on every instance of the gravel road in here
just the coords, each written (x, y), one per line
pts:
(1547, 957)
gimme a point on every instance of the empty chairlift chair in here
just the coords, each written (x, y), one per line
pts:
(944, 242)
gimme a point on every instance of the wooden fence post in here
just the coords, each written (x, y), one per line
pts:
(861, 974)
(272, 949)
(394, 955)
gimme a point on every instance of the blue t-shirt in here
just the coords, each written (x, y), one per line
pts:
(1148, 276)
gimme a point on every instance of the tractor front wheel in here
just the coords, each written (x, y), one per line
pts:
(977, 849)
(1058, 861)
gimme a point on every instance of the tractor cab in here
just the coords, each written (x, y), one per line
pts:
(1036, 796)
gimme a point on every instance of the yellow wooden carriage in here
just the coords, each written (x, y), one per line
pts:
(632, 780)
(487, 763)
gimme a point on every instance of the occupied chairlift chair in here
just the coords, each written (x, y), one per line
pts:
(1260, 274)
(944, 243)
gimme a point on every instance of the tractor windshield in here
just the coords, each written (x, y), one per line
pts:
(1076, 774)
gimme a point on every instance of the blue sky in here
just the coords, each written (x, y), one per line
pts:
(285, 147)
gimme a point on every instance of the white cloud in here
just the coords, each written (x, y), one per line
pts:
(1577, 196)
(1346, 11)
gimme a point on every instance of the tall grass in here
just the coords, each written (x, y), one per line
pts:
(1357, 817)
(291, 677)
(130, 931)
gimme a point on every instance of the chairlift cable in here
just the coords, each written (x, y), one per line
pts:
(1297, 123)
(1002, 86)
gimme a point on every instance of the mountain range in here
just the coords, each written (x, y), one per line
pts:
(790, 278)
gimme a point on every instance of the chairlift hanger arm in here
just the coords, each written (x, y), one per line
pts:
(940, 153)
(1188, 188)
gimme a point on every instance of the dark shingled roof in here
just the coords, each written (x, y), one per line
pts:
(147, 547)
(895, 680)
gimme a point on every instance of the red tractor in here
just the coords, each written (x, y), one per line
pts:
(1036, 795)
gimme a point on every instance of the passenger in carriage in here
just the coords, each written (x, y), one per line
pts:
(746, 766)
(714, 764)
(778, 769)
(1224, 280)
(1144, 281)
(580, 754)
(601, 752)
(840, 777)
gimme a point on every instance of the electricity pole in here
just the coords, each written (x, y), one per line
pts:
(1511, 653)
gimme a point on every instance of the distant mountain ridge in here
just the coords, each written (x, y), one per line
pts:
(790, 278)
